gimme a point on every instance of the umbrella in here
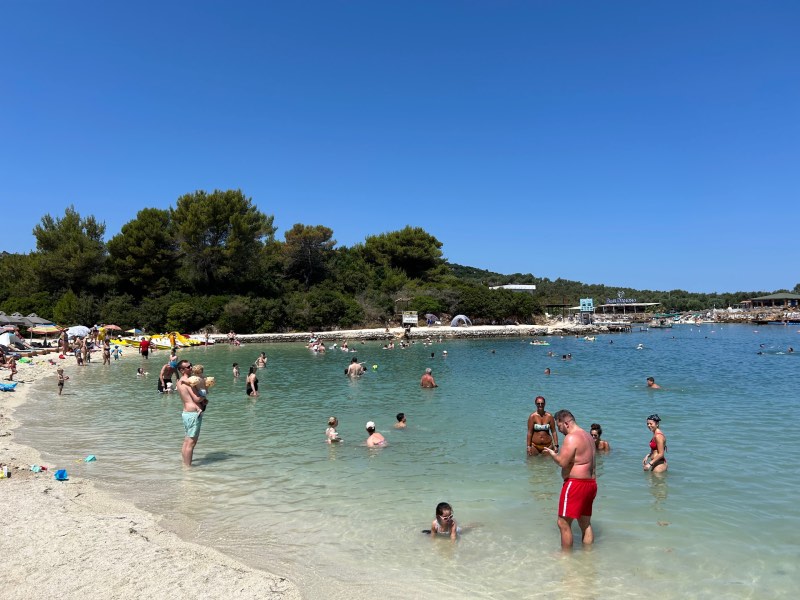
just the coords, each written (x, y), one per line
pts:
(18, 319)
(37, 320)
(44, 330)
(113, 327)
(78, 331)
(134, 331)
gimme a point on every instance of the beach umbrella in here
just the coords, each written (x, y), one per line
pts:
(78, 331)
(37, 320)
(18, 319)
(44, 330)
(113, 327)
(134, 331)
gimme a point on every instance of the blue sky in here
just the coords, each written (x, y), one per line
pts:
(642, 144)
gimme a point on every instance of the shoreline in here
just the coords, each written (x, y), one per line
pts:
(418, 333)
(72, 540)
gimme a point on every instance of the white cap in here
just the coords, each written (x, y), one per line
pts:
(370, 425)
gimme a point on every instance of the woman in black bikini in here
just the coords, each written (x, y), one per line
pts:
(252, 383)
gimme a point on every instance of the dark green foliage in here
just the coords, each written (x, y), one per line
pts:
(213, 261)
(143, 256)
(220, 239)
(411, 250)
(308, 250)
(70, 251)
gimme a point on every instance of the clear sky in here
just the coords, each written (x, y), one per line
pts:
(654, 145)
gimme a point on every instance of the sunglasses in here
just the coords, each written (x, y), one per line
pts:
(447, 517)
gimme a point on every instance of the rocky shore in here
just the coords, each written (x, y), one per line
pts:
(422, 333)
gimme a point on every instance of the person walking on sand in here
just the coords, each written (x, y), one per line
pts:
(577, 461)
(192, 412)
(427, 380)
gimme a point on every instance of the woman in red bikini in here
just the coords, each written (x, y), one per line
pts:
(655, 461)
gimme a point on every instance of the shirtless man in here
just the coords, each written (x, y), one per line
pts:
(166, 375)
(355, 369)
(577, 463)
(541, 429)
(192, 412)
(427, 380)
(651, 383)
(375, 438)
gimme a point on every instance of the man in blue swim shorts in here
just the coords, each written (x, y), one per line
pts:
(192, 412)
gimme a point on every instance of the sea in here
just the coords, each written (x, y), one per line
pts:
(345, 521)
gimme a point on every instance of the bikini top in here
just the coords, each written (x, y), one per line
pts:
(653, 444)
(541, 427)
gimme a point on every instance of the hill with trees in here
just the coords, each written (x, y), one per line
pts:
(213, 261)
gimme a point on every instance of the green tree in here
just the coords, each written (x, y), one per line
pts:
(412, 250)
(220, 237)
(143, 255)
(70, 251)
(308, 250)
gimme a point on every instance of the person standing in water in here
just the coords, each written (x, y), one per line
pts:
(541, 429)
(192, 412)
(655, 461)
(577, 461)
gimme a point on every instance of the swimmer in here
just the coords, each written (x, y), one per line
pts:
(547, 371)
(331, 436)
(401, 421)
(261, 361)
(651, 383)
(600, 445)
(427, 380)
(140, 372)
(444, 523)
(236, 369)
(375, 439)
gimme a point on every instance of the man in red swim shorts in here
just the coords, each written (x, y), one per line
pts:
(576, 459)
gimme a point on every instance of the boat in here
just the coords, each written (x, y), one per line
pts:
(539, 343)
(590, 338)
(661, 323)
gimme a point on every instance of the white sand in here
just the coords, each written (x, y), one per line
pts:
(70, 540)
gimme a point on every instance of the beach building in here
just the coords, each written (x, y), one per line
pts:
(781, 300)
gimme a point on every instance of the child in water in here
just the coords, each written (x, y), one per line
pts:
(61, 379)
(236, 369)
(140, 372)
(331, 436)
(201, 383)
(444, 523)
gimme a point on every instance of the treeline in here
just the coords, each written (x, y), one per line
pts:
(212, 261)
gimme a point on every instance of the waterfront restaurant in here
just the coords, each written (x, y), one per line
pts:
(783, 300)
(627, 307)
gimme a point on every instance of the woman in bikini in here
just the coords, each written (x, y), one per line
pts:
(600, 445)
(655, 460)
(542, 431)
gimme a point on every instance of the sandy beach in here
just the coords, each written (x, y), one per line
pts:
(71, 540)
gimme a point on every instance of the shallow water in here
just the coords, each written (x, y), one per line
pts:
(344, 521)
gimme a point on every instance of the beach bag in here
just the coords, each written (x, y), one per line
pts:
(61, 475)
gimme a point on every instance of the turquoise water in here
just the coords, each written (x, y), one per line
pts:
(344, 521)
